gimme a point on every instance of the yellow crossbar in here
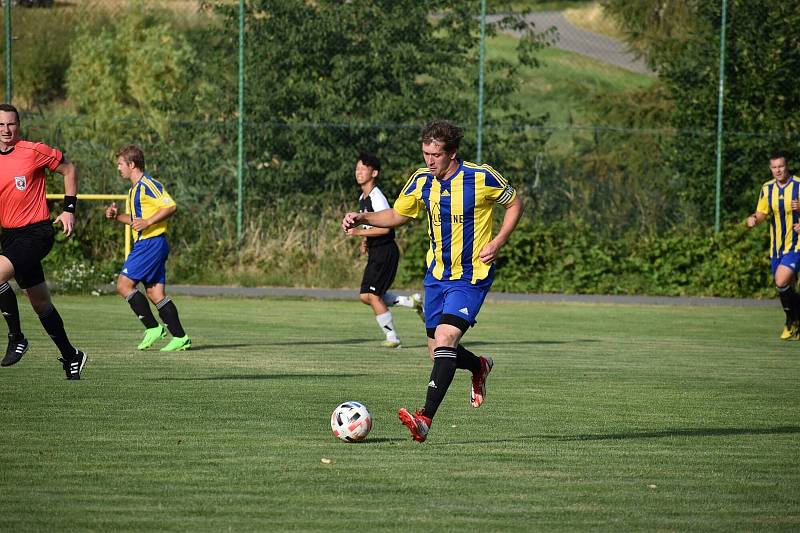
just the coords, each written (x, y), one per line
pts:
(101, 197)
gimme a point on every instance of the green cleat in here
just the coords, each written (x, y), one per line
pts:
(151, 335)
(177, 344)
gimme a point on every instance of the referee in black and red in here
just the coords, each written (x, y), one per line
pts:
(28, 235)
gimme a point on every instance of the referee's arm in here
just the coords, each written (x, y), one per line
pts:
(70, 173)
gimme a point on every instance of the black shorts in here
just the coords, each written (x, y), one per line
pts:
(381, 268)
(25, 247)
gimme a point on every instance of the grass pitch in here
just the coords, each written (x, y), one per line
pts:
(597, 417)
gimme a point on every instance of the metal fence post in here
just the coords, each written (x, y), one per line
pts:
(240, 150)
(9, 85)
(719, 115)
(479, 156)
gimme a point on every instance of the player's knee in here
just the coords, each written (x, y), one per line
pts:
(125, 287)
(366, 298)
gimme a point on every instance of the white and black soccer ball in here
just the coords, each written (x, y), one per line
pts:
(351, 422)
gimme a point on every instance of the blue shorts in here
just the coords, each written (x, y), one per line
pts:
(147, 261)
(789, 260)
(458, 298)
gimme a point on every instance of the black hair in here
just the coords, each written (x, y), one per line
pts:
(778, 154)
(10, 109)
(370, 160)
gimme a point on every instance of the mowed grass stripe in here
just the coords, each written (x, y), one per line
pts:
(597, 417)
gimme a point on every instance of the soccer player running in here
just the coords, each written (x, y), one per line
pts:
(459, 197)
(148, 207)
(382, 254)
(28, 236)
(779, 201)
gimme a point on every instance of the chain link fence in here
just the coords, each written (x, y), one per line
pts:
(591, 142)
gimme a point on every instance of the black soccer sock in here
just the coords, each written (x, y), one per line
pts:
(444, 368)
(467, 360)
(169, 315)
(795, 301)
(54, 327)
(10, 310)
(141, 309)
(788, 296)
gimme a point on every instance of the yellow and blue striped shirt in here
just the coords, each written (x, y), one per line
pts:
(777, 201)
(459, 217)
(144, 200)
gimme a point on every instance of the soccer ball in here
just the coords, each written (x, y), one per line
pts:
(351, 422)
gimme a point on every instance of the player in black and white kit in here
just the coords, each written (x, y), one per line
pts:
(382, 254)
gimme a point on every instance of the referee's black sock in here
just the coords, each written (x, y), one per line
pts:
(10, 309)
(141, 308)
(54, 327)
(169, 314)
(467, 360)
(444, 368)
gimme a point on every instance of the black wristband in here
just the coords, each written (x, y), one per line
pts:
(69, 203)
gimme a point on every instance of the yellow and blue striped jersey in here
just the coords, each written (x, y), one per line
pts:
(459, 217)
(144, 200)
(777, 201)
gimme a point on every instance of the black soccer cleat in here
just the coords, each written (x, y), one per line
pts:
(74, 365)
(17, 346)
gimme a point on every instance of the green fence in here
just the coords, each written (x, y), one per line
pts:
(253, 109)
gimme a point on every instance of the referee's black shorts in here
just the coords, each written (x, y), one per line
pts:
(25, 247)
(381, 268)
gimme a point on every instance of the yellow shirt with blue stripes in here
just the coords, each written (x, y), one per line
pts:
(776, 200)
(145, 199)
(459, 217)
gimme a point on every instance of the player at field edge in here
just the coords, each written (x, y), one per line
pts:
(28, 236)
(148, 207)
(382, 253)
(778, 200)
(458, 197)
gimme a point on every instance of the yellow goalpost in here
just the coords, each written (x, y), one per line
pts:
(101, 197)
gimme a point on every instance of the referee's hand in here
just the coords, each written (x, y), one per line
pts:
(67, 220)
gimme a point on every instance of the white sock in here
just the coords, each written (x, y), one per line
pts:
(387, 326)
(392, 299)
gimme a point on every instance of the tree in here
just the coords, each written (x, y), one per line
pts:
(760, 101)
(326, 79)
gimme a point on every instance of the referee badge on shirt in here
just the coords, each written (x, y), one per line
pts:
(22, 182)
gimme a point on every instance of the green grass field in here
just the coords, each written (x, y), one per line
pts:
(597, 418)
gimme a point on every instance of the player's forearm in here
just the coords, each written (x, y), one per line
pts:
(122, 217)
(756, 218)
(388, 218)
(510, 220)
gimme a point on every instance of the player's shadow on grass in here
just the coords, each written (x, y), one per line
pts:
(380, 440)
(631, 435)
(321, 343)
(468, 343)
(256, 377)
(201, 347)
(698, 432)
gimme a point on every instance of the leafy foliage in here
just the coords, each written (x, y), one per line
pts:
(682, 40)
(573, 257)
